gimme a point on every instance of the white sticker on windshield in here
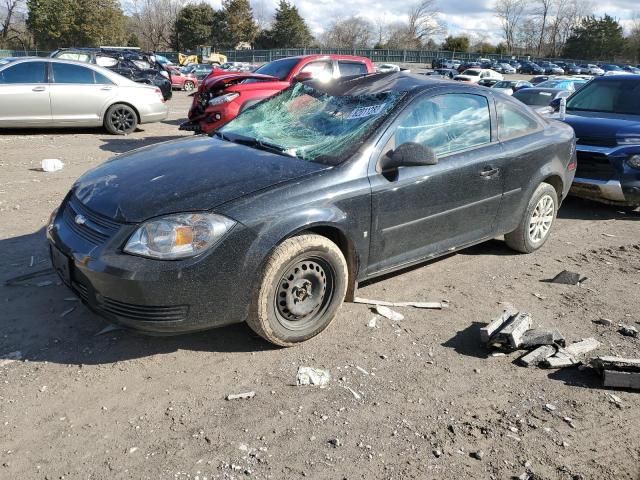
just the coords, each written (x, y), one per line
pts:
(362, 112)
(546, 94)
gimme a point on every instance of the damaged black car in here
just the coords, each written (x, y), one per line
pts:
(276, 218)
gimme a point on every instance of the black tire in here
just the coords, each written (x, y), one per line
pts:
(536, 223)
(120, 119)
(303, 285)
(188, 86)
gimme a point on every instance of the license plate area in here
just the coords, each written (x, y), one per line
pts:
(62, 265)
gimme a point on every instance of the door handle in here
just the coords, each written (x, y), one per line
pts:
(489, 171)
(38, 89)
(106, 88)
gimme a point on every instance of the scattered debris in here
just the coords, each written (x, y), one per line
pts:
(241, 396)
(312, 376)
(430, 305)
(335, 442)
(21, 279)
(615, 399)
(362, 370)
(67, 312)
(538, 355)
(51, 165)
(628, 331)
(388, 313)
(604, 321)
(618, 372)
(372, 323)
(355, 394)
(510, 334)
(10, 358)
(571, 355)
(109, 328)
(437, 453)
(496, 324)
(540, 336)
(608, 235)
(549, 407)
(566, 277)
(477, 455)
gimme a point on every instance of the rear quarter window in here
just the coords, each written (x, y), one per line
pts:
(513, 122)
(352, 68)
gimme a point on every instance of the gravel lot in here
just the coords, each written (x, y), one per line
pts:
(434, 403)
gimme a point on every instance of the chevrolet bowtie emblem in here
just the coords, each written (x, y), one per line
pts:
(80, 219)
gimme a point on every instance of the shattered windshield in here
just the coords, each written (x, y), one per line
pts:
(310, 124)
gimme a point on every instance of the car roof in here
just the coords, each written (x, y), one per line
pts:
(630, 77)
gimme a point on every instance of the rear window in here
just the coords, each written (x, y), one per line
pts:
(77, 56)
(534, 98)
(352, 68)
(278, 68)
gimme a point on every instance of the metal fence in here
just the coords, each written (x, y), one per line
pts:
(381, 56)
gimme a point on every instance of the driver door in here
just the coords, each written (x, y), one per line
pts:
(420, 211)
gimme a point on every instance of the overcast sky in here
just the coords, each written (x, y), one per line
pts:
(460, 16)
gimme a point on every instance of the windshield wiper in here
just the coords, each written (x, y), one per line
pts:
(255, 143)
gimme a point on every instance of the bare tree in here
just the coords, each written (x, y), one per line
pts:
(153, 20)
(400, 36)
(353, 32)
(261, 14)
(424, 20)
(9, 13)
(542, 12)
(510, 13)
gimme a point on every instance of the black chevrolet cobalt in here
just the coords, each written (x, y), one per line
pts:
(276, 218)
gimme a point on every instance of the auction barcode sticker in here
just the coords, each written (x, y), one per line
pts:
(362, 112)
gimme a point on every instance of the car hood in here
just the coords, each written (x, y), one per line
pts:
(186, 175)
(218, 82)
(603, 125)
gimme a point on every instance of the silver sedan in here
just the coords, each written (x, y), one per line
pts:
(46, 92)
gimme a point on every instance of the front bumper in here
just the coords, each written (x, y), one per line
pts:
(162, 297)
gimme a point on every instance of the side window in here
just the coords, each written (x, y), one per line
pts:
(446, 123)
(318, 69)
(66, 73)
(26, 72)
(352, 68)
(514, 123)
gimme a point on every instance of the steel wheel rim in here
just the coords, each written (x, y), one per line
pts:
(541, 219)
(188, 86)
(304, 292)
(122, 119)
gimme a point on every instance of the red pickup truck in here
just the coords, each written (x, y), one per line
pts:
(221, 98)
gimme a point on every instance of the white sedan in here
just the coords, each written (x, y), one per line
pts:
(48, 92)
(474, 75)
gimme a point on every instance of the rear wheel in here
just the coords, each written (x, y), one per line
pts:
(303, 285)
(536, 223)
(120, 119)
(188, 86)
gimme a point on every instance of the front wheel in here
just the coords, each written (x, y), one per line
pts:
(120, 119)
(536, 223)
(304, 283)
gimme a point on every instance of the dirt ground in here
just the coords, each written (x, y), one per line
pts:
(434, 403)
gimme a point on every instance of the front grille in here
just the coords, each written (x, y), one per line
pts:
(597, 141)
(81, 290)
(144, 312)
(595, 166)
(95, 229)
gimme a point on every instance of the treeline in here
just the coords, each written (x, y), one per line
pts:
(541, 28)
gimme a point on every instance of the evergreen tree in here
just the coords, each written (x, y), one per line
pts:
(234, 25)
(193, 27)
(456, 44)
(289, 29)
(81, 23)
(595, 38)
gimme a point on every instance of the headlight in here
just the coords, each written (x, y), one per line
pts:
(634, 161)
(178, 236)
(52, 217)
(226, 98)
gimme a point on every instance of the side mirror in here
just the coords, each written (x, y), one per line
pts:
(303, 76)
(555, 104)
(409, 155)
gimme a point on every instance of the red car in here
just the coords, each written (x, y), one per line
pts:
(182, 81)
(220, 98)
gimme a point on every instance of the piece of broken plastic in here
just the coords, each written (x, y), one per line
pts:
(52, 165)
(312, 376)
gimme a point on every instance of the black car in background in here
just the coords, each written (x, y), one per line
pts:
(276, 218)
(531, 69)
(132, 64)
(539, 98)
(572, 69)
